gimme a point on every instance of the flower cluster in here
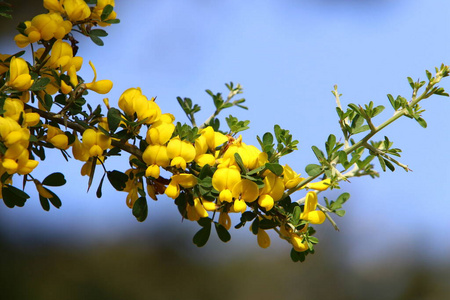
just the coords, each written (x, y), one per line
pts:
(210, 173)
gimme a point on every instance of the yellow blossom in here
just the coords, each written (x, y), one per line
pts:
(155, 155)
(100, 86)
(96, 142)
(310, 213)
(181, 152)
(224, 180)
(271, 192)
(319, 186)
(183, 180)
(161, 131)
(19, 75)
(76, 10)
(290, 177)
(57, 137)
(98, 10)
(263, 238)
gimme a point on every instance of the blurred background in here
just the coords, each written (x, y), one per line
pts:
(394, 241)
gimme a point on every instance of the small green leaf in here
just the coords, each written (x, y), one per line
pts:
(99, 189)
(107, 10)
(239, 162)
(98, 32)
(117, 179)
(140, 209)
(202, 236)
(222, 232)
(55, 201)
(275, 168)
(313, 169)
(12, 196)
(44, 203)
(54, 179)
(340, 213)
(114, 117)
(98, 41)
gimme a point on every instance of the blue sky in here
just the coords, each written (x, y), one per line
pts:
(287, 55)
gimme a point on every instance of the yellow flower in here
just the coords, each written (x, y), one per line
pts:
(271, 192)
(79, 150)
(101, 86)
(224, 180)
(263, 238)
(181, 152)
(183, 180)
(53, 6)
(135, 104)
(161, 131)
(225, 220)
(244, 191)
(56, 137)
(45, 27)
(250, 155)
(76, 10)
(197, 211)
(290, 177)
(132, 185)
(19, 75)
(310, 213)
(319, 186)
(155, 155)
(96, 142)
(61, 57)
(98, 10)
(4, 66)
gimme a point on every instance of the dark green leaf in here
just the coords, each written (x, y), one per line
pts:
(202, 236)
(98, 41)
(54, 179)
(99, 189)
(44, 203)
(98, 32)
(107, 10)
(222, 232)
(114, 117)
(12, 196)
(55, 201)
(117, 179)
(140, 209)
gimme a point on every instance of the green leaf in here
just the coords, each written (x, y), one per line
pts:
(202, 236)
(44, 203)
(54, 179)
(114, 117)
(12, 196)
(117, 179)
(98, 32)
(99, 189)
(313, 169)
(40, 84)
(222, 232)
(55, 201)
(140, 209)
(239, 162)
(275, 168)
(318, 153)
(107, 10)
(98, 41)
(421, 122)
(255, 226)
(340, 213)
